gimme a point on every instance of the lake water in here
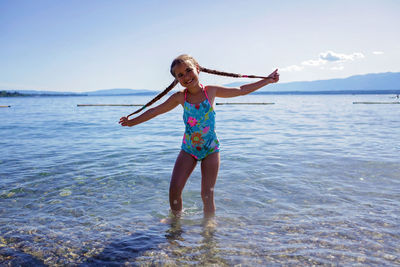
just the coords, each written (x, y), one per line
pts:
(310, 180)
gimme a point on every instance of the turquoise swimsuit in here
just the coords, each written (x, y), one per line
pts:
(200, 139)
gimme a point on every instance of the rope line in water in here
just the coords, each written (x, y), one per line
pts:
(111, 105)
(369, 103)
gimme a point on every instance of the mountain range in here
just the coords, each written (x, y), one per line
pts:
(388, 82)
(375, 82)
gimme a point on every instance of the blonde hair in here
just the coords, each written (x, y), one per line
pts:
(187, 58)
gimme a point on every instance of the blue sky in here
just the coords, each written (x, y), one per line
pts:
(89, 45)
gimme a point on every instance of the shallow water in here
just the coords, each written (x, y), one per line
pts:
(309, 180)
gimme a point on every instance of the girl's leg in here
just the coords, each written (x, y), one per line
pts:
(209, 173)
(184, 166)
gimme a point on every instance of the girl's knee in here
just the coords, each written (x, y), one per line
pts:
(175, 199)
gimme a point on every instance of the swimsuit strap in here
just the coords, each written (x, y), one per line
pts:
(205, 92)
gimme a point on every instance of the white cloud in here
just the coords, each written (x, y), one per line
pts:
(334, 60)
(378, 53)
(330, 56)
(333, 57)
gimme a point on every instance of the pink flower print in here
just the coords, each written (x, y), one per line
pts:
(206, 129)
(192, 121)
(184, 138)
(197, 106)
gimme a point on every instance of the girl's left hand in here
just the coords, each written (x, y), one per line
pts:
(124, 121)
(274, 76)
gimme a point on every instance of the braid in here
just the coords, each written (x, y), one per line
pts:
(182, 59)
(160, 95)
(221, 73)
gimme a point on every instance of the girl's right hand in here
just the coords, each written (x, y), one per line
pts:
(124, 121)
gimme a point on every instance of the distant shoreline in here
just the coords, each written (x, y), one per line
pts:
(11, 94)
(18, 94)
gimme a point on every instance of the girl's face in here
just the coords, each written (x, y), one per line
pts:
(187, 74)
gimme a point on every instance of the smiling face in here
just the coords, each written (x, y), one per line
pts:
(186, 73)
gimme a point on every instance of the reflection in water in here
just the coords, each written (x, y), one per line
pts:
(188, 242)
(175, 231)
(209, 244)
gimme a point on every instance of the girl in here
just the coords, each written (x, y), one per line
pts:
(200, 142)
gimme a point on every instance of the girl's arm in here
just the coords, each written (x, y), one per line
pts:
(220, 91)
(168, 105)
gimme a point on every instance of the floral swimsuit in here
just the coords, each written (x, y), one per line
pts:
(200, 139)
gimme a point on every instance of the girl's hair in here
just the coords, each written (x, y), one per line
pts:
(187, 58)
